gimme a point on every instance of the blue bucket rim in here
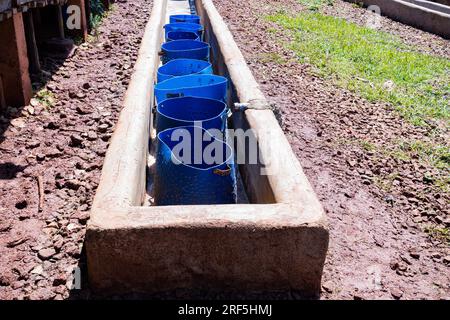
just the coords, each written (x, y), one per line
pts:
(183, 15)
(209, 64)
(224, 80)
(228, 161)
(185, 50)
(187, 24)
(191, 97)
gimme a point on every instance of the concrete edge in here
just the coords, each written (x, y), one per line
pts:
(122, 181)
(414, 15)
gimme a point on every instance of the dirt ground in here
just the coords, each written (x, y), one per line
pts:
(378, 247)
(64, 145)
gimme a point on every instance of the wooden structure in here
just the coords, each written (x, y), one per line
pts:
(24, 24)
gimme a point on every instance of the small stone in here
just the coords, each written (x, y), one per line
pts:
(4, 281)
(34, 102)
(396, 293)
(72, 226)
(33, 144)
(436, 255)
(72, 184)
(405, 259)
(83, 217)
(46, 254)
(5, 225)
(51, 87)
(76, 140)
(92, 136)
(17, 241)
(60, 279)
(86, 85)
(52, 125)
(328, 286)
(103, 128)
(81, 95)
(37, 270)
(414, 254)
(83, 110)
(40, 157)
(351, 163)
(18, 284)
(29, 109)
(73, 251)
(389, 199)
(18, 123)
(58, 242)
(439, 219)
(446, 259)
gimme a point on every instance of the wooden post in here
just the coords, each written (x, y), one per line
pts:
(84, 28)
(14, 62)
(33, 53)
(59, 17)
(2, 96)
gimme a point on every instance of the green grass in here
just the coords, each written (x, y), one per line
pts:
(441, 234)
(97, 14)
(315, 5)
(431, 155)
(46, 98)
(271, 57)
(371, 63)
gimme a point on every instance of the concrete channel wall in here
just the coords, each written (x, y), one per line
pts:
(431, 5)
(423, 15)
(277, 242)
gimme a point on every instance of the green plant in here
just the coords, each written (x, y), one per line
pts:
(441, 234)
(374, 64)
(271, 57)
(46, 98)
(315, 5)
(97, 13)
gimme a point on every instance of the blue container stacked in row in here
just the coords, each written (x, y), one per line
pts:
(194, 164)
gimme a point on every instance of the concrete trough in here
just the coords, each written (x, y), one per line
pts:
(425, 15)
(276, 241)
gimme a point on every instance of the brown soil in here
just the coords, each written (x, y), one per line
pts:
(378, 247)
(63, 144)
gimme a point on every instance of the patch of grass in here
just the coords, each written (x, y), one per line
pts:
(46, 98)
(434, 155)
(368, 146)
(78, 40)
(441, 234)
(315, 5)
(97, 14)
(387, 182)
(373, 64)
(437, 155)
(271, 57)
(358, 4)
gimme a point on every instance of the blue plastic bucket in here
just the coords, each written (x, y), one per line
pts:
(184, 26)
(190, 18)
(192, 167)
(187, 49)
(190, 111)
(183, 67)
(182, 35)
(195, 85)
